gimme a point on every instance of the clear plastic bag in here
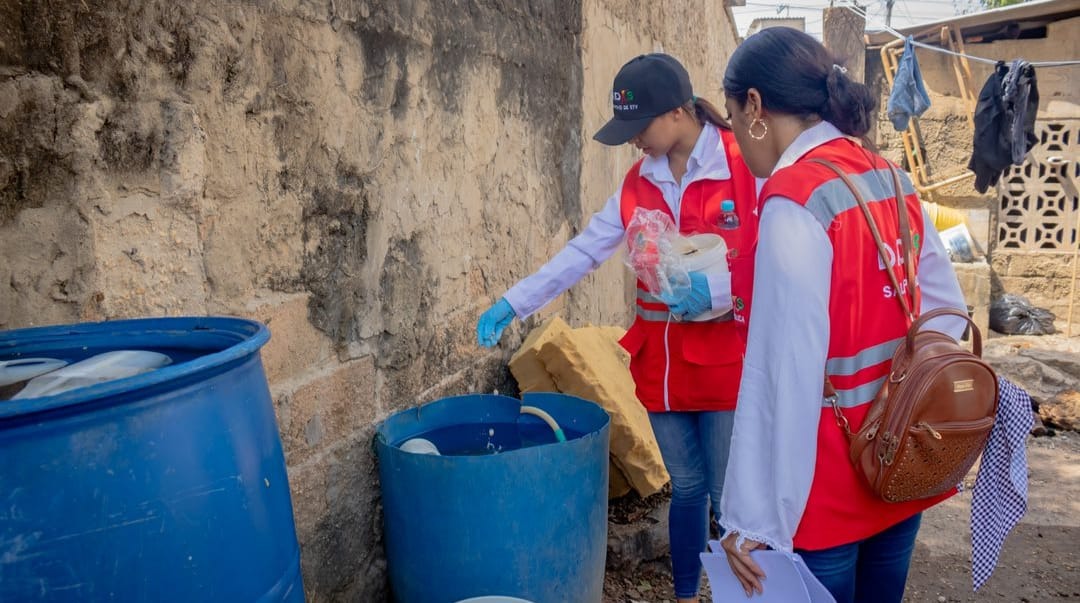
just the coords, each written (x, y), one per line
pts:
(651, 254)
(1014, 315)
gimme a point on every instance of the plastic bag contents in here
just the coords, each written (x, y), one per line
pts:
(96, 369)
(650, 239)
(1014, 315)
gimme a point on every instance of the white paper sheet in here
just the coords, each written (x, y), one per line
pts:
(787, 579)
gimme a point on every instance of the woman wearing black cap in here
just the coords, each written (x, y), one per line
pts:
(824, 306)
(686, 371)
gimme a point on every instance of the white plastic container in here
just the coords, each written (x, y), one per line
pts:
(93, 370)
(959, 244)
(705, 253)
(420, 446)
(21, 369)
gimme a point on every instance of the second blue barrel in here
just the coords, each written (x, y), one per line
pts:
(164, 486)
(505, 510)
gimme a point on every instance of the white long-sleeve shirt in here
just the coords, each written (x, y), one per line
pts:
(605, 232)
(774, 441)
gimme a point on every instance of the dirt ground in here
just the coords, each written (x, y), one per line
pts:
(1040, 561)
(1041, 557)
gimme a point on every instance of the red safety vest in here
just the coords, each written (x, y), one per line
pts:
(866, 324)
(683, 366)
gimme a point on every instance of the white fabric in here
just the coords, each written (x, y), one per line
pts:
(810, 139)
(604, 233)
(774, 441)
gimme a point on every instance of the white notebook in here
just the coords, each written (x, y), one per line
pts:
(787, 579)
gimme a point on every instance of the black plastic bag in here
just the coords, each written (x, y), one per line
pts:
(1014, 315)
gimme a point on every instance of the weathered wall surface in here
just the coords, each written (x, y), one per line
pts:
(947, 139)
(364, 176)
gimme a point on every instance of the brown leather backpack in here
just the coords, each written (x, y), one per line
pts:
(930, 421)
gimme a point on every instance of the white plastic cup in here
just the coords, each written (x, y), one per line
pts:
(707, 254)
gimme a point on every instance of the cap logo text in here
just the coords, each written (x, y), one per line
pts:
(623, 100)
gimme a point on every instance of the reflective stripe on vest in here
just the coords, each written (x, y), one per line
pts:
(833, 197)
(850, 365)
(868, 357)
(850, 398)
(644, 297)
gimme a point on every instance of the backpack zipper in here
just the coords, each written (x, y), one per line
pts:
(926, 426)
(894, 423)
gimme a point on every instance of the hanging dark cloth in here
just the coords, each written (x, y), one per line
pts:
(1021, 104)
(1004, 122)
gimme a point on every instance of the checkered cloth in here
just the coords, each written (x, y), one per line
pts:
(1000, 496)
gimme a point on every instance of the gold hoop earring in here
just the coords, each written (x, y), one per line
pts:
(764, 131)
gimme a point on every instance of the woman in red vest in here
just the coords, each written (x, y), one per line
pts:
(822, 305)
(686, 370)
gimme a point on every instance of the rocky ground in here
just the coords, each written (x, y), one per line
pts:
(1041, 558)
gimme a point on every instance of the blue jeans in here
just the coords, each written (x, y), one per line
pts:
(695, 447)
(872, 570)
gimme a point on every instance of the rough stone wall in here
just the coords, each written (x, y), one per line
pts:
(364, 176)
(947, 141)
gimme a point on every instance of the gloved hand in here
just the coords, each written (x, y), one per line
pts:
(698, 300)
(492, 323)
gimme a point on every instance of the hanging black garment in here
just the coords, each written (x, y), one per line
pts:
(991, 153)
(1021, 97)
(1000, 119)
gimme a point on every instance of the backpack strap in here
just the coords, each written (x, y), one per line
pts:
(829, 391)
(905, 234)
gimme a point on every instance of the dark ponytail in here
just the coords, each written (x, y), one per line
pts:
(849, 104)
(705, 112)
(796, 75)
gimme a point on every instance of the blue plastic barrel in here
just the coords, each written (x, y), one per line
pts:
(527, 522)
(166, 486)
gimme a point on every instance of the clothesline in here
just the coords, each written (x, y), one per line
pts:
(862, 13)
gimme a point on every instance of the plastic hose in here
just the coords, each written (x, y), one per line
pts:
(536, 412)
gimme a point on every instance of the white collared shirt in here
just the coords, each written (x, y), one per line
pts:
(774, 440)
(605, 232)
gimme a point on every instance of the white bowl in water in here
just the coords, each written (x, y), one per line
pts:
(420, 446)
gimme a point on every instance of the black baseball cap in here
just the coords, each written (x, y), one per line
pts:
(646, 87)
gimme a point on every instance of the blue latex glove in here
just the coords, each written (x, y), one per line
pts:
(492, 323)
(698, 300)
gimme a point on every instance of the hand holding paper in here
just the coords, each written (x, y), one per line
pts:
(742, 565)
(786, 579)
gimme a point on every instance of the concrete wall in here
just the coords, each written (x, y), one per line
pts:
(364, 176)
(947, 139)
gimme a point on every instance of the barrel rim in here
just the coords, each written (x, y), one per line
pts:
(254, 335)
(383, 437)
